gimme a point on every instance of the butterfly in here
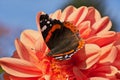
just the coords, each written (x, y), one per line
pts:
(62, 38)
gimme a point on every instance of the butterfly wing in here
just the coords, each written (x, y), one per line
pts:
(61, 40)
(46, 24)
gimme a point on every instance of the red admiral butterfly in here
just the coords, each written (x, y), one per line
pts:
(62, 38)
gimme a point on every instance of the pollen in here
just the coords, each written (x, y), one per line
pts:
(58, 71)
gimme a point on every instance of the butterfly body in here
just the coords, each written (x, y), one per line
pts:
(62, 38)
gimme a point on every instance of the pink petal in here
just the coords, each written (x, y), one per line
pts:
(29, 37)
(78, 74)
(40, 45)
(102, 25)
(21, 50)
(98, 78)
(106, 49)
(41, 49)
(9, 77)
(78, 15)
(92, 60)
(117, 60)
(6, 76)
(66, 12)
(87, 57)
(56, 15)
(23, 53)
(101, 69)
(91, 49)
(118, 35)
(113, 70)
(117, 43)
(109, 56)
(18, 67)
(79, 58)
(92, 15)
(26, 54)
(92, 52)
(103, 39)
(84, 29)
(97, 15)
(108, 53)
(15, 55)
(104, 70)
(38, 20)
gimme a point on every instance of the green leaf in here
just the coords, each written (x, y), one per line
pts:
(1, 70)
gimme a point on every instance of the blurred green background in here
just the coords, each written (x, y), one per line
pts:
(15, 16)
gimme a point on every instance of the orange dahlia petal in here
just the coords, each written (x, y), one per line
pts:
(103, 39)
(28, 38)
(98, 78)
(18, 67)
(9, 77)
(78, 15)
(21, 50)
(56, 15)
(87, 57)
(117, 60)
(67, 12)
(84, 29)
(104, 24)
(92, 15)
(78, 74)
(37, 20)
(23, 53)
(109, 56)
(92, 53)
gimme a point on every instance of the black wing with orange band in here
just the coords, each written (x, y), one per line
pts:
(61, 37)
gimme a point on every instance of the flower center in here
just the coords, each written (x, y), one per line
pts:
(61, 70)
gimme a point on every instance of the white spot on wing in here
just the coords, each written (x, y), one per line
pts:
(48, 22)
(40, 21)
(66, 56)
(44, 28)
(58, 57)
(45, 19)
(70, 55)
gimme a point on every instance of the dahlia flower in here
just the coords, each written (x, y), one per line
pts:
(97, 60)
